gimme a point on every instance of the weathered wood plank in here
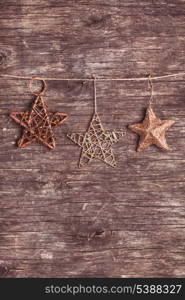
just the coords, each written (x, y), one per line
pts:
(57, 220)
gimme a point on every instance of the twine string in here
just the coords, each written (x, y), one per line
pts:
(150, 86)
(43, 87)
(95, 99)
(91, 79)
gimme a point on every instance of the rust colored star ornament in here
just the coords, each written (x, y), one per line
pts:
(152, 131)
(38, 123)
(96, 143)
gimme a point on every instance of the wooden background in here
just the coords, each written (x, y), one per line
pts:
(57, 220)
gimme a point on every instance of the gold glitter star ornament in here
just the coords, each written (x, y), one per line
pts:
(152, 131)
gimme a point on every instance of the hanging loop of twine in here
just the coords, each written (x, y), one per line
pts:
(43, 87)
(95, 100)
(151, 88)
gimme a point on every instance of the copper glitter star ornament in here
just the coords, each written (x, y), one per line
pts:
(152, 131)
(96, 143)
(38, 123)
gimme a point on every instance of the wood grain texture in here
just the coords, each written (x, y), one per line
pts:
(60, 221)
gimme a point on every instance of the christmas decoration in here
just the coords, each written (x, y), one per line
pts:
(96, 143)
(152, 130)
(38, 123)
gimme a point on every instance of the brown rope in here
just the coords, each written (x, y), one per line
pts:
(150, 86)
(43, 88)
(91, 79)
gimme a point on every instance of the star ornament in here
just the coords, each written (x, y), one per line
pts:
(152, 131)
(38, 124)
(96, 143)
